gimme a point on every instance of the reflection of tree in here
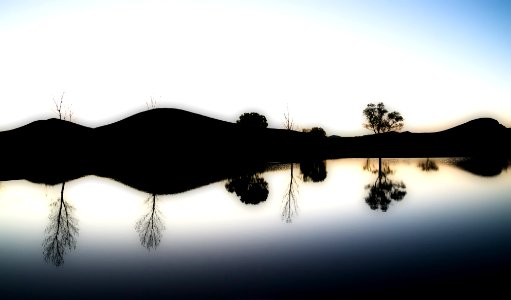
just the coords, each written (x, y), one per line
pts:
(314, 171)
(428, 165)
(383, 190)
(150, 226)
(60, 232)
(251, 188)
(290, 203)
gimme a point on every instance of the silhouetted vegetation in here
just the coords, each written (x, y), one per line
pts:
(316, 131)
(383, 190)
(151, 104)
(290, 202)
(379, 119)
(217, 148)
(483, 166)
(313, 170)
(64, 113)
(252, 120)
(60, 232)
(150, 226)
(288, 121)
(428, 165)
(250, 188)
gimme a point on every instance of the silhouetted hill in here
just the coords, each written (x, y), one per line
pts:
(478, 137)
(477, 126)
(170, 150)
(159, 150)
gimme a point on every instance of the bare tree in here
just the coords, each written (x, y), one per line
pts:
(60, 232)
(290, 202)
(288, 121)
(151, 104)
(64, 113)
(150, 227)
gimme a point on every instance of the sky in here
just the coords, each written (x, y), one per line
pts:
(439, 63)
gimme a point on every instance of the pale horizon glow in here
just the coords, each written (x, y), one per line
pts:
(439, 63)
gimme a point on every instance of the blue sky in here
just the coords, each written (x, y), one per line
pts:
(437, 62)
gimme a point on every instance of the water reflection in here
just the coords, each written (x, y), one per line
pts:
(290, 202)
(483, 166)
(251, 188)
(61, 231)
(150, 226)
(314, 170)
(383, 190)
(428, 165)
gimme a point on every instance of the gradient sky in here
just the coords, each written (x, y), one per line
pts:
(439, 63)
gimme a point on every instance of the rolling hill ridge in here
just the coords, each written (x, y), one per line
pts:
(170, 150)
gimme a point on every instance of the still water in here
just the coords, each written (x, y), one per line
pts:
(347, 227)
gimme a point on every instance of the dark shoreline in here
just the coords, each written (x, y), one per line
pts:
(169, 150)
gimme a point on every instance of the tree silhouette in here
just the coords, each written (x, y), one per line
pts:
(383, 190)
(316, 131)
(313, 170)
(379, 119)
(60, 232)
(63, 112)
(150, 226)
(290, 203)
(252, 120)
(288, 121)
(250, 188)
(151, 104)
(428, 165)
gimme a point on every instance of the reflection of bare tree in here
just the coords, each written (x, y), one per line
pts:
(60, 232)
(290, 203)
(428, 165)
(150, 226)
(383, 190)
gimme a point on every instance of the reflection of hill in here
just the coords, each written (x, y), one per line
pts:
(169, 150)
(483, 166)
(159, 151)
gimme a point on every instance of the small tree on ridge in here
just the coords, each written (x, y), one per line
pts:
(380, 120)
(252, 120)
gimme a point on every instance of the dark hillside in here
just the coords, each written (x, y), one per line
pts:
(171, 150)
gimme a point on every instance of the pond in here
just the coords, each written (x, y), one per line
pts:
(339, 228)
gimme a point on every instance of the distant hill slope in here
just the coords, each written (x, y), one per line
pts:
(477, 137)
(163, 150)
(172, 150)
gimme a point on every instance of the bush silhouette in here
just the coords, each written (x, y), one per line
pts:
(316, 131)
(252, 120)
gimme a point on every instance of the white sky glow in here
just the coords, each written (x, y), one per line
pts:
(438, 64)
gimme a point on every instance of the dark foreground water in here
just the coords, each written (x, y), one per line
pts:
(412, 227)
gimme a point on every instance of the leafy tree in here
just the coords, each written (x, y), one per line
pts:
(313, 170)
(383, 190)
(250, 188)
(379, 119)
(252, 120)
(316, 131)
